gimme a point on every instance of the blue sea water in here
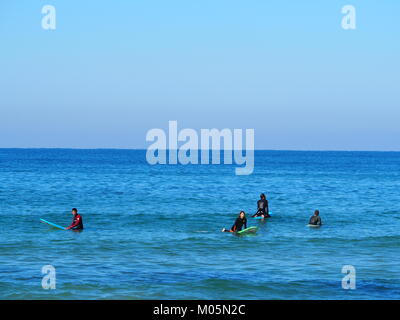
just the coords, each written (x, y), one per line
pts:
(153, 232)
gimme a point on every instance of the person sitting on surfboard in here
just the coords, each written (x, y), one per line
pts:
(239, 223)
(262, 207)
(77, 223)
(315, 219)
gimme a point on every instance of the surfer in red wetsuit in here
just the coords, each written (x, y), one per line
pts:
(77, 223)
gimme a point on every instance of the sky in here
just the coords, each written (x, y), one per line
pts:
(113, 70)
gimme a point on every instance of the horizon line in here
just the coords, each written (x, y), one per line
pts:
(144, 149)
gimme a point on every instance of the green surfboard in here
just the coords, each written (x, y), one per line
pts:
(250, 230)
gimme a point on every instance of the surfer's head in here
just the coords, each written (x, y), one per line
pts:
(262, 196)
(74, 211)
(242, 215)
(316, 213)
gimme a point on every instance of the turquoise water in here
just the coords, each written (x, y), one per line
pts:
(153, 232)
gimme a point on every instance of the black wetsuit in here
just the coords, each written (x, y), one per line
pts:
(315, 220)
(238, 225)
(77, 222)
(262, 208)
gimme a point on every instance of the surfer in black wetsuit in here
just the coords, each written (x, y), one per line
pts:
(262, 207)
(239, 223)
(77, 222)
(315, 219)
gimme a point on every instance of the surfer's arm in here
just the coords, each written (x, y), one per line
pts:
(258, 213)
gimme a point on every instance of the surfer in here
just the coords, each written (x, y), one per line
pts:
(315, 219)
(262, 207)
(239, 223)
(77, 223)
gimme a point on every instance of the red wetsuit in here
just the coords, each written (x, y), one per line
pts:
(77, 223)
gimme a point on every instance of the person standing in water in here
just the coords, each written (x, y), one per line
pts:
(77, 222)
(262, 207)
(239, 223)
(315, 220)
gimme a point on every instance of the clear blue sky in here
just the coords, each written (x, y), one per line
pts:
(112, 70)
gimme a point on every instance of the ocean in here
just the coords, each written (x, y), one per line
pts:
(154, 232)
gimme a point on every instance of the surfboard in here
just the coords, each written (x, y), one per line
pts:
(313, 225)
(52, 224)
(260, 218)
(247, 231)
